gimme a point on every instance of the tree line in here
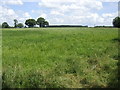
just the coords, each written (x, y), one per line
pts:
(43, 23)
(29, 22)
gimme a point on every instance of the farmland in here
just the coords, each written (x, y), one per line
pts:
(60, 57)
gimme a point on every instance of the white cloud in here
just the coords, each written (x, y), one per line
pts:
(69, 0)
(77, 12)
(26, 14)
(8, 15)
(62, 12)
(108, 17)
(71, 4)
(109, 0)
(58, 20)
(43, 15)
(11, 2)
(33, 11)
(20, 2)
(55, 12)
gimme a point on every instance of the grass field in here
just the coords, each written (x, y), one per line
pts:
(60, 57)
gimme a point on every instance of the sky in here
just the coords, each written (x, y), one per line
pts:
(60, 12)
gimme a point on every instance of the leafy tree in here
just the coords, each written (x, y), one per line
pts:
(41, 22)
(46, 23)
(5, 25)
(15, 23)
(30, 22)
(116, 22)
(20, 25)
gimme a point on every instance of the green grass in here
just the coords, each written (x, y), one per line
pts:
(60, 57)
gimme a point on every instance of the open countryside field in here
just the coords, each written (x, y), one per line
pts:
(60, 57)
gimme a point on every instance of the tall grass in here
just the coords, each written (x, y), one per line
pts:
(60, 58)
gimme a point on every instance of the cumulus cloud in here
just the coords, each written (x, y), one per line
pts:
(55, 12)
(8, 15)
(82, 12)
(77, 12)
(11, 2)
(109, 0)
(26, 14)
(72, 0)
(20, 2)
(71, 4)
(43, 15)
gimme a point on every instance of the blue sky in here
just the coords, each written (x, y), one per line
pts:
(74, 12)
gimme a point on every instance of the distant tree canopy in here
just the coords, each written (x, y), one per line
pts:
(15, 23)
(5, 25)
(30, 22)
(20, 25)
(46, 23)
(116, 22)
(41, 22)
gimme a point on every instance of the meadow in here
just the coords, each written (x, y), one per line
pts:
(60, 57)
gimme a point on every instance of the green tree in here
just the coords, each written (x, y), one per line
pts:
(15, 23)
(46, 23)
(116, 22)
(40, 22)
(20, 25)
(5, 25)
(30, 22)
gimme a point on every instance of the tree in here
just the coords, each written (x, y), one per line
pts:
(15, 23)
(5, 25)
(30, 22)
(46, 23)
(20, 25)
(40, 22)
(116, 22)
